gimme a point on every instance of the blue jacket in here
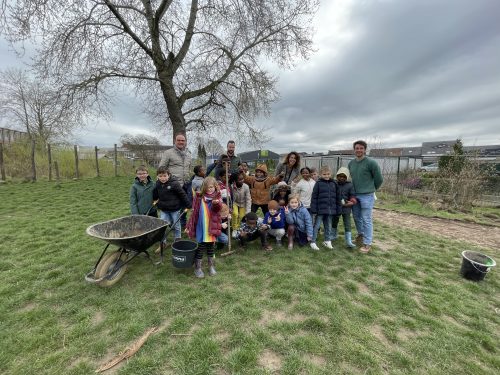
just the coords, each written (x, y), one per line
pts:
(275, 224)
(325, 198)
(301, 218)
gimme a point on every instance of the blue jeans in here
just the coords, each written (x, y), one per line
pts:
(362, 213)
(222, 238)
(327, 226)
(171, 217)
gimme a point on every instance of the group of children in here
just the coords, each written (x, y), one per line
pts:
(233, 199)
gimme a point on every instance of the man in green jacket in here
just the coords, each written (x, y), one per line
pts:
(366, 178)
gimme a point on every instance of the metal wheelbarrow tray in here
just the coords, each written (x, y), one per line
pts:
(133, 235)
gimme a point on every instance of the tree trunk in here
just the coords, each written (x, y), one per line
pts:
(173, 108)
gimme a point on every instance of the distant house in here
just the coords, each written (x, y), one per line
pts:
(252, 158)
(432, 151)
(396, 151)
(155, 152)
(349, 152)
(9, 136)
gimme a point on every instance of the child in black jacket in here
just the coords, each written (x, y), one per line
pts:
(170, 197)
(325, 203)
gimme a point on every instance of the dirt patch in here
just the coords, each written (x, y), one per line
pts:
(482, 235)
(270, 361)
(280, 316)
(316, 360)
(29, 307)
(376, 331)
(97, 318)
(406, 334)
(363, 289)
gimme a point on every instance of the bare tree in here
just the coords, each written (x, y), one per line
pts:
(145, 146)
(197, 64)
(46, 112)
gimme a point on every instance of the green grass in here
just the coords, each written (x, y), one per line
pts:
(403, 309)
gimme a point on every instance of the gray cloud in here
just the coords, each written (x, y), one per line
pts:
(412, 71)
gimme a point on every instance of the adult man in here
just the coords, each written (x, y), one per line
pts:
(233, 160)
(366, 178)
(178, 160)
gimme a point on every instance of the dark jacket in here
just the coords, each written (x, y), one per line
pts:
(347, 192)
(171, 196)
(325, 199)
(141, 197)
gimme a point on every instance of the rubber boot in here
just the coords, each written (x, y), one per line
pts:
(211, 266)
(348, 240)
(198, 272)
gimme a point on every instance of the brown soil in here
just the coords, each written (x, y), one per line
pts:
(482, 235)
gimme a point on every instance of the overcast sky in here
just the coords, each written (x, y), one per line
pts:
(393, 72)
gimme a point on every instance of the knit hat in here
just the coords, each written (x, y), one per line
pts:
(273, 205)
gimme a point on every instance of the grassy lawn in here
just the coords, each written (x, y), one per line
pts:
(404, 308)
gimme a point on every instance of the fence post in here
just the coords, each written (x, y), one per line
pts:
(2, 167)
(397, 175)
(56, 168)
(116, 161)
(49, 154)
(33, 165)
(76, 162)
(96, 162)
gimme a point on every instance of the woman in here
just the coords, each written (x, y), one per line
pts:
(290, 167)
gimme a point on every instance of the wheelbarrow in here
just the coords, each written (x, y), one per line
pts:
(133, 235)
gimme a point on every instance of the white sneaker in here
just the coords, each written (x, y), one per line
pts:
(234, 234)
(328, 244)
(314, 246)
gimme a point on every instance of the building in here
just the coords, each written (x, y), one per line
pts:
(252, 158)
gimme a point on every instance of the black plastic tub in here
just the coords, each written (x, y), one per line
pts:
(475, 265)
(183, 253)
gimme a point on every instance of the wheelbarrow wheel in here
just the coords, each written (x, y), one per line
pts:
(107, 265)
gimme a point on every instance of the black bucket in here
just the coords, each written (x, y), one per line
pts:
(475, 265)
(183, 252)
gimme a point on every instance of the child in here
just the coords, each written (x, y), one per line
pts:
(259, 187)
(281, 195)
(274, 219)
(242, 201)
(314, 173)
(299, 222)
(141, 193)
(170, 197)
(304, 187)
(347, 196)
(205, 224)
(224, 216)
(325, 203)
(251, 228)
(199, 175)
(225, 191)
